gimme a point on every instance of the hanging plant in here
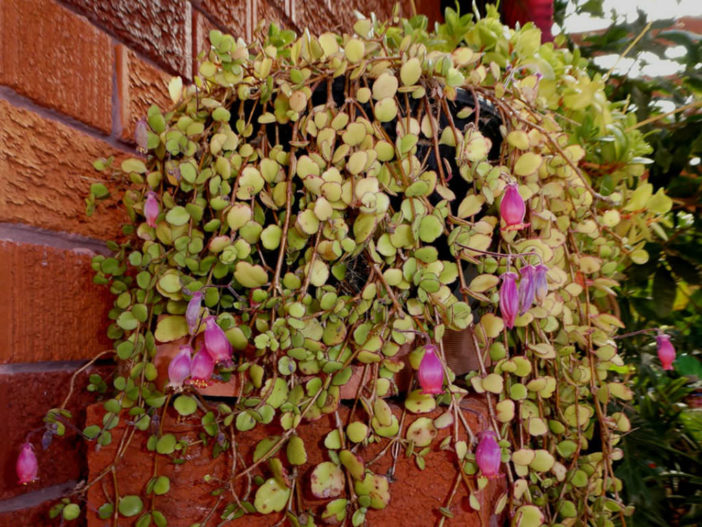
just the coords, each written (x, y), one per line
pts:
(313, 210)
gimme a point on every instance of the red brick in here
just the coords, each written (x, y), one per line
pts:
(58, 59)
(273, 11)
(29, 517)
(51, 308)
(46, 171)
(160, 29)
(201, 37)
(415, 495)
(230, 14)
(27, 396)
(139, 85)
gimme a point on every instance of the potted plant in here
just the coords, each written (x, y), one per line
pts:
(398, 215)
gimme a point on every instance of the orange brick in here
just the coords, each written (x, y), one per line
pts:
(139, 85)
(230, 14)
(45, 173)
(57, 59)
(51, 308)
(160, 29)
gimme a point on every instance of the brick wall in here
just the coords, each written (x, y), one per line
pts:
(75, 76)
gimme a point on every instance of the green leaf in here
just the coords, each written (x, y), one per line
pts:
(185, 405)
(162, 485)
(130, 506)
(71, 512)
(663, 292)
(166, 444)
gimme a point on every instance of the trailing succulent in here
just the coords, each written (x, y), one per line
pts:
(311, 207)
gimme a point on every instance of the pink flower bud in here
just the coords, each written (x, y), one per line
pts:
(216, 343)
(151, 208)
(540, 283)
(666, 351)
(488, 454)
(27, 465)
(509, 299)
(141, 135)
(192, 312)
(201, 369)
(431, 372)
(512, 208)
(527, 288)
(179, 368)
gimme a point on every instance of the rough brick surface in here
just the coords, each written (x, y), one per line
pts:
(29, 517)
(27, 394)
(139, 85)
(415, 495)
(51, 308)
(46, 171)
(160, 29)
(201, 36)
(231, 14)
(56, 58)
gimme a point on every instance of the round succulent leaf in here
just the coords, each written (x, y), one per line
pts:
(327, 480)
(130, 505)
(272, 496)
(185, 405)
(420, 403)
(421, 432)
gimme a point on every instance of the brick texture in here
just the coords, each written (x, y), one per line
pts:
(26, 397)
(415, 495)
(160, 29)
(46, 170)
(231, 14)
(201, 36)
(58, 59)
(51, 308)
(139, 85)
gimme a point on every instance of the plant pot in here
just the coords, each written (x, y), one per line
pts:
(415, 495)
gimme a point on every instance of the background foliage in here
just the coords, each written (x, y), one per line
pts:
(661, 469)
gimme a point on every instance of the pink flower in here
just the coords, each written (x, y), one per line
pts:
(216, 343)
(201, 369)
(151, 208)
(192, 312)
(527, 288)
(488, 454)
(512, 208)
(431, 372)
(509, 299)
(27, 465)
(179, 368)
(540, 283)
(666, 351)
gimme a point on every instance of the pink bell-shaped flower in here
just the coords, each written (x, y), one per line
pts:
(192, 312)
(431, 372)
(488, 454)
(509, 299)
(27, 465)
(512, 208)
(666, 351)
(540, 283)
(201, 369)
(179, 368)
(151, 208)
(527, 288)
(216, 343)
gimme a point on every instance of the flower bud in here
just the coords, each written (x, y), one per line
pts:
(179, 368)
(216, 343)
(666, 351)
(431, 372)
(527, 288)
(512, 207)
(141, 135)
(151, 208)
(540, 283)
(192, 312)
(201, 369)
(27, 465)
(509, 299)
(488, 454)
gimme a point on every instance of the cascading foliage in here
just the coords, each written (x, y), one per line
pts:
(332, 203)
